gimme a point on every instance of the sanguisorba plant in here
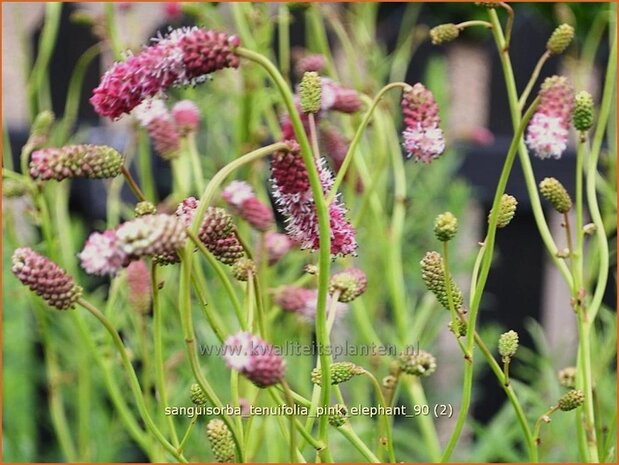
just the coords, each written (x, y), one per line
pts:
(189, 230)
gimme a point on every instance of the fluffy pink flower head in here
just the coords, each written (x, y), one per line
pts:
(423, 138)
(548, 130)
(277, 245)
(241, 197)
(185, 56)
(154, 116)
(256, 359)
(295, 201)
(101, 254)
(186, 116)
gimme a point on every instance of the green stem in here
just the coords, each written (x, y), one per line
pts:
(387, 424)
(145, 168)
(525, 163)
(529, 87)
(112, 31)
(199, 285)
(293, 432)
(194, 156)
(283, 29)
(592, 202)
(133, 380)
(187, 434)
(132, 184)
(47, 43)
(466, 24)
(223, 277)
(357, 443)
(159, 349)
(190, 343)
(536, 431)
(357, 137)
(323, 225)
(481, 283)
(428, 430)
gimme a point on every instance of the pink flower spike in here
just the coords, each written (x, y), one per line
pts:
(277, 246)
(186, 116)
(423, 138)
(548, 130)
(185, 56)
(256, 359)
(102, 255)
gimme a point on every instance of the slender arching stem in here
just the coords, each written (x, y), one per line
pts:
(324, 226)
(527, 90)
(358, 134)
(133, 380)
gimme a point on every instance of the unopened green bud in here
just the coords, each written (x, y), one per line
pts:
(197, 396)
(144, 208)
(507, 210)
(508, 345)
(41, 127)
(12, 188)
(444, 33)
(338, 415)
(571, 400)
(459, 328)
(310, 92)
(567, 377)
(417, 363)
(242, 268)
(555, 193)
(583, 111)
(589, 229)
(340, 373)
(222, 443)
(445, 226)
(433, 275)
(560, 39)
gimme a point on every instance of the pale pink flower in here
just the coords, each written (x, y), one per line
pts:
(101, 254)
(423, 144)
(423, 138)
(277, 245)
(186, 115)
(254, 358)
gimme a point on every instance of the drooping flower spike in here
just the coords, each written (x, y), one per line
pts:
(184, 56)
(45, 278)
(155, 117)
(75, 161)
(548, 129)
(295, 201)
(254, 358)
(423, 138)
(101, 254)
(241, 197)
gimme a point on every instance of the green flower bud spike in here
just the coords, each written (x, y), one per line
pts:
(571, 400)
(197, 396)
(507, 210)
(433, 275)
(310, 92)
(445, 226)
(555, 193)
(583, 111)
(144, 208)
(444, 33)
(417, 363)
(41, 127)
(340, 373)
(242, 268)
(338, 415)
(508, 345)
(560, 39)
(221, 441)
